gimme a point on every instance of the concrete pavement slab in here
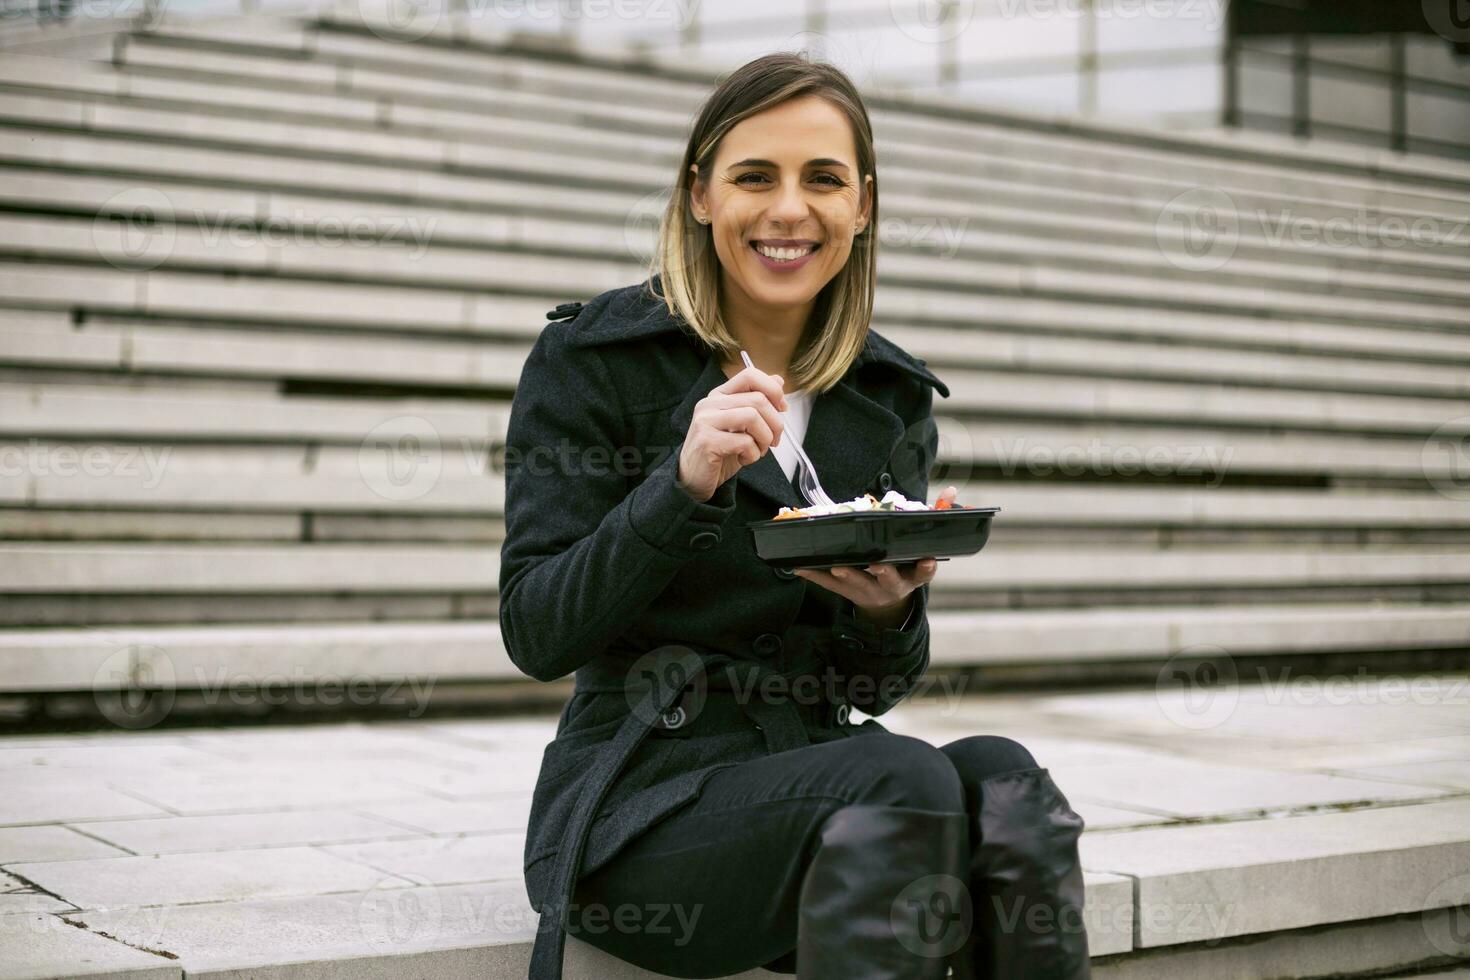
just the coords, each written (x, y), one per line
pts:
(231, 831)
(43, 947)
(51, 842)
(44, 796)
(442, 860)
(219, 876)
(469, 817)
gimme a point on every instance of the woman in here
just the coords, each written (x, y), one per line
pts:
(708, 804)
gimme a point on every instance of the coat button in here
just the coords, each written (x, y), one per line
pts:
(843, 713)
(885, 480)
(674, 718)
(767, 644)
(704, 540)
(785, 574)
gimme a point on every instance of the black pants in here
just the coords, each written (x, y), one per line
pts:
(712, 889)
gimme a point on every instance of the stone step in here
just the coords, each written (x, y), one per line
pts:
(108, 656)
(1015, 229)
(395, 849)
(327, 567)
(661, 76)
(475, 72)
(52, 340)
(1260, 213)
(1033, 392)
(1407, 443)
(1281, 224)
(268, 479)
(313, 246)
(949, 320)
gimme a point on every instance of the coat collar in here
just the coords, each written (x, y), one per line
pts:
(632, 312)
(850, 437)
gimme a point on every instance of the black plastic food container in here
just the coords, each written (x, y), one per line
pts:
(867, 536)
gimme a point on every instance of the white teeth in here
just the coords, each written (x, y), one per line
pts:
(784, 254)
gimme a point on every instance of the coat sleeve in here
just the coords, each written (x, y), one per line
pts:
(583, 554)
(884, 665)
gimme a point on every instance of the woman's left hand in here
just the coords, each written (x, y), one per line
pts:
(880, 592)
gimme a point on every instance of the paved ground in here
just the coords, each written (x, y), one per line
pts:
(228, 848)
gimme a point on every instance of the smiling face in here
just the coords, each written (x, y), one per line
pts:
(784, 202)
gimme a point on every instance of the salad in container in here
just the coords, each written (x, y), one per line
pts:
(869, 529)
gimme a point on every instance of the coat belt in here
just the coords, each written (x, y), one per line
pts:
(674, 668)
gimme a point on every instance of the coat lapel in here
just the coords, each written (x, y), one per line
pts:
(849, 439)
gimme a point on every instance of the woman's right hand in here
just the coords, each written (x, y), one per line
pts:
(732, 426)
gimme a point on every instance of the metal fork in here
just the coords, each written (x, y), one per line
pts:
(806, 473)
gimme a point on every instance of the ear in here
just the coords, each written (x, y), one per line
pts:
(866, 209)
(697, 203)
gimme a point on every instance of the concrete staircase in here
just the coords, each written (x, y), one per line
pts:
(1219, 386)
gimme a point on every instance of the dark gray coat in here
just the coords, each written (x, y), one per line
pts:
(605, 559)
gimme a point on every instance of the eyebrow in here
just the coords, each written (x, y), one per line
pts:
(819, 162)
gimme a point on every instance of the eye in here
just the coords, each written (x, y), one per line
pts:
(832, 180)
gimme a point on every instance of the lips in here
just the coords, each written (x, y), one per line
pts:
(777, 243)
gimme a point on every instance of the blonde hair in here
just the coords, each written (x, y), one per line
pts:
(685, 258)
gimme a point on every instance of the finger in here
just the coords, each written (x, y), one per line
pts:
(855, 576)
(916, 573)
(862, 587)
(745, 419)
(738, 444)
(825, 579)
(923, 572)
(837, 580)
(892, 582)
(754, 379)
(887, 576)
(759, 401)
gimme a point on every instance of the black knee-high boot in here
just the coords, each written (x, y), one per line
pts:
(1026, 883)
(884, 897)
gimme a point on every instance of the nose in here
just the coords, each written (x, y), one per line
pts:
(790, 205)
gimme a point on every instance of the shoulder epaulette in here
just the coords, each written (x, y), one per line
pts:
(564, 311)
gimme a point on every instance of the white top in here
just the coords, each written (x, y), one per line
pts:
(798, 411)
